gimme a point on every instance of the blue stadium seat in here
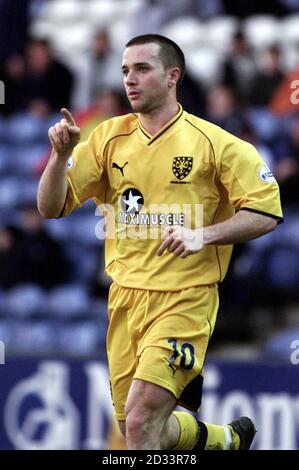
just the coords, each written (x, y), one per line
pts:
(6, 162)
(265, 125)
(282, 344)
(2, 303)
(3, 129)
(27, 157)
(77, 228)
(262, 31)
(282, 267)
(60, 229)
(68, 301)
(25, 129)
(6, 333)
(83, 229)
(82, 338)
(26, 300)
(84, 260)
(10, 192)
(29, 191)
(35, 338)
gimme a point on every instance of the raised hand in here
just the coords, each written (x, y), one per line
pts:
(64, 135)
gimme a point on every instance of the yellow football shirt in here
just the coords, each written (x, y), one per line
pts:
(148, 182)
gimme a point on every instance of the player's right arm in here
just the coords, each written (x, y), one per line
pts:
(52, 190)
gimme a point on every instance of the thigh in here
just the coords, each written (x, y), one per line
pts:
(121, 351)
(172, 350)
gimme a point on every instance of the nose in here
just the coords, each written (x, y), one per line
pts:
(131, 78)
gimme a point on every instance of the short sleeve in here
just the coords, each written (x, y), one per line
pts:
(249, 182)
(85, 173)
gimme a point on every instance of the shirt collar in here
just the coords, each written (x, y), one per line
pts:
(152, 138)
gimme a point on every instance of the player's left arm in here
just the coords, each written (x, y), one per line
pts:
(253, 193)
(241, 227)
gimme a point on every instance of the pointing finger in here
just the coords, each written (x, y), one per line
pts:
(68, 116)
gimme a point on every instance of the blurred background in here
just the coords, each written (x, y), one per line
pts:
(242, 74)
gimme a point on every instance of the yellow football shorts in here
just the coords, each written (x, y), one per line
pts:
(159, 337)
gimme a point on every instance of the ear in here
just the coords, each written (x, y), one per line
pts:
(174, 76)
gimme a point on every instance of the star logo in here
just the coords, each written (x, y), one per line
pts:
(132, 201)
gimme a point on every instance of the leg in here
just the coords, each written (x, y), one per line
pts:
(169, 434)
(148, 409)
(115, 440)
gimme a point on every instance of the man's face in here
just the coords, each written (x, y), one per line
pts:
(145, 79)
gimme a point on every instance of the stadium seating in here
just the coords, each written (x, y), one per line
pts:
(68, 319)
(279, 346)
(81, 338)
(68, 301)
(262, 31)
(186, 31)
(26, 300)
(63, 11)
(220, 32)
(290, 30)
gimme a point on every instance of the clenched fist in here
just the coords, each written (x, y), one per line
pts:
(64, 135)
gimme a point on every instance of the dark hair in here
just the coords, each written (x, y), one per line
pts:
(170, 53)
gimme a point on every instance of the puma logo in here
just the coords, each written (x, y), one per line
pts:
(120, 168)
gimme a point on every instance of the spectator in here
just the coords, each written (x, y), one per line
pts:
(13, 27)
(102, 68)
(268, 79)
(240, 66)
(222, 109)
(48, 83)
(29, 255)
(13, 75)
(287, 170)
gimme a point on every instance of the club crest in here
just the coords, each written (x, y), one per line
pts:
(182, 166)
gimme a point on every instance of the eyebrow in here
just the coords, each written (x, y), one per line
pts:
(136, 64)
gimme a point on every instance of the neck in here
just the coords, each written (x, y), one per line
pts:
(157, 118)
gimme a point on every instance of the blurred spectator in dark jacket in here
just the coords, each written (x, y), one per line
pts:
(13, 27)
(36, 82)
(222, 109)
(191, 95)
(240, 67)
(12, 73)
(29, 255)
(12, 257)
(252, 7)
(267, 80)
(287, 170)
(48, 83)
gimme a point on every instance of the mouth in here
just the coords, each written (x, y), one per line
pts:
(133, 94)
